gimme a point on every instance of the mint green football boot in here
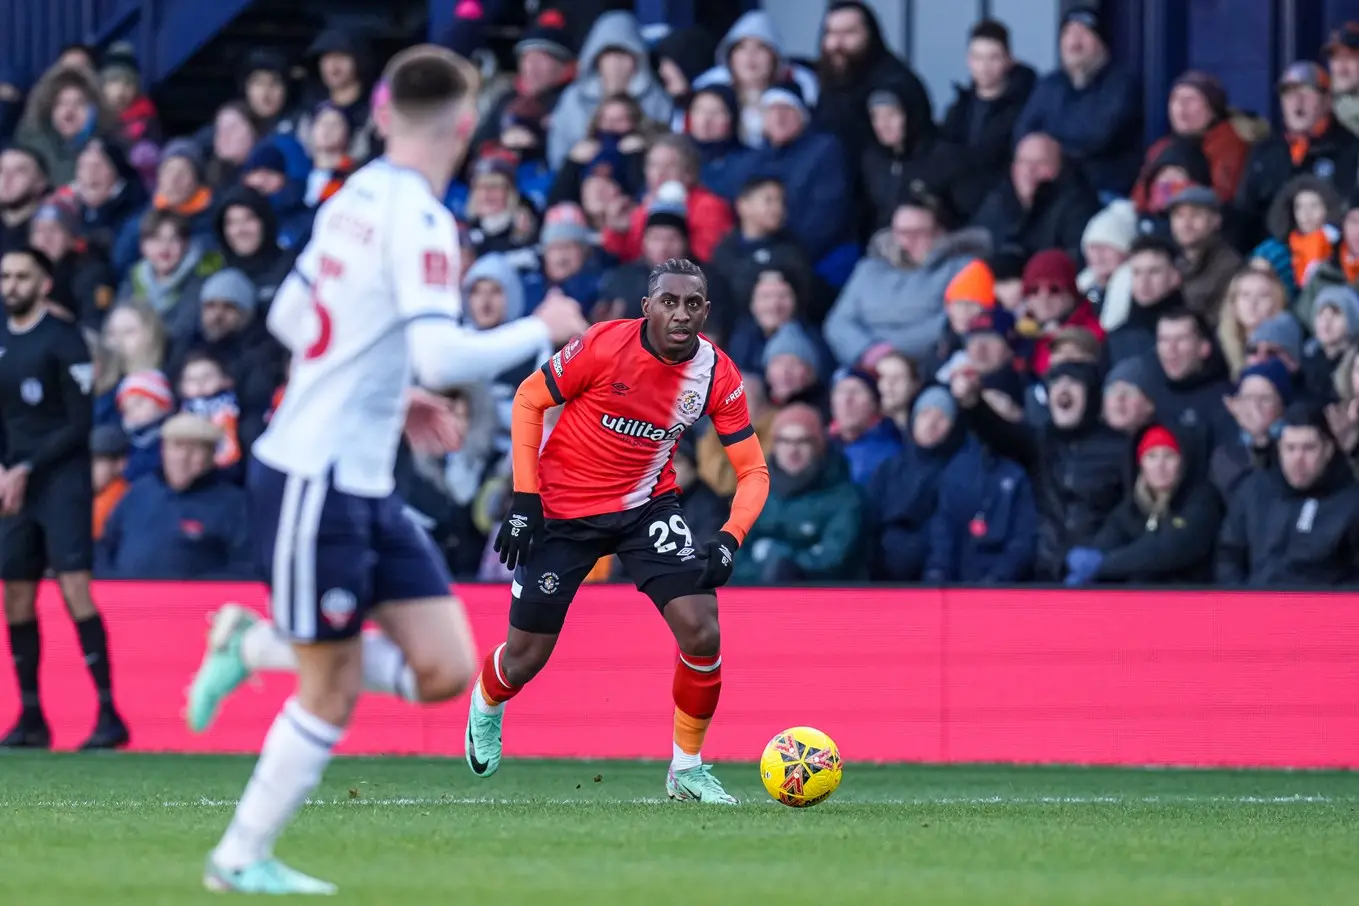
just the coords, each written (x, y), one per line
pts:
(483, 738)
(697, 785)
(223, 670)
(267, 876)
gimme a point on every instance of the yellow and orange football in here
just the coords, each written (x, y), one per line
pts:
(800, 767)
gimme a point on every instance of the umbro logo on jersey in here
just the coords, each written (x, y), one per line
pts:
(619, 389)
(635, 427)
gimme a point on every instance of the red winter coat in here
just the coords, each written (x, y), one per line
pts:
(710, 219)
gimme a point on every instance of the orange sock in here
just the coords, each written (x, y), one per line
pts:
(697, 687)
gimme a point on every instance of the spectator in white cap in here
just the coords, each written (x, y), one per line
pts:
(566, 259)
(1106, 244)
(813, 169)
(183, 521)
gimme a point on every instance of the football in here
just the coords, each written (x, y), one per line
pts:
(800, 767)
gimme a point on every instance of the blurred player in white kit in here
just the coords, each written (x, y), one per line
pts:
(372, 302)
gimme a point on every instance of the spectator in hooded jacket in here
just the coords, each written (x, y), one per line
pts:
(1045, 203)
(977, 132)
(612, 152)
(711, 120)
(1312, 141)
(340, 60)
(1335, 327)
(182, 522)
(613, 60)
(813, 168)
(1207, 262)
(263, 80)
(858, 430)
(246, 229)
(1075, 461)
(1130, 390)
(854, 62)
(761, 240)
(811, 525)
(266, 171)
(1198, 114)
(895, 298)
(23, 186)
(1163, 532)
(680, 58)
(82, 281)
(1257, 406)
(1296, 524)
(672, 159)
(984, 528)
(902, 158)
(750, 59)
(1092, 105)
(64, 111)
(1053, 303)
(903, 492)
(545, 63)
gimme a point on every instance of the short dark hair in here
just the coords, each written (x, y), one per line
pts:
(917, 195)
(991, 30)
(200, 354)
(31, 153)
(758, 182)
(156, 218)
(422, 79)
(41, 260)
(1182, 313)
(1153, 244)
(682, 266)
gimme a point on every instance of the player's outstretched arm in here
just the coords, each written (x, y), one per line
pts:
(752, 489)
(531, 401)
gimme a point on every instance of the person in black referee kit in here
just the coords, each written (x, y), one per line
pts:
(46, 497)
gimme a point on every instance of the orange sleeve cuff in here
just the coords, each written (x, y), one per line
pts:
(526, 430)
(752, 486)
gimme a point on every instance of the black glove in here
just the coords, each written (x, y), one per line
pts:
(516, 532)
(720, 552)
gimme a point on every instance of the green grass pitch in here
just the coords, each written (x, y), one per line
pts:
(129, 830)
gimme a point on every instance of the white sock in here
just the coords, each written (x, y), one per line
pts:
(385, 669)
(264, 648)
(681, 760)
(484, 707)
(294, 757)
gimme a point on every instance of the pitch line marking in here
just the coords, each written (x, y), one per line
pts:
(428, 802)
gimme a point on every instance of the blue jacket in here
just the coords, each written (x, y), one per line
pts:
(902, 498)
(1099, 126)
(985, 528)
(877, 445)
(201, 532)
(817, 181)
(583, 286)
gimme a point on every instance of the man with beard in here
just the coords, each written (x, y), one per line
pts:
(46, 497)
(1076, 462)
(23, 183)
(854, 62)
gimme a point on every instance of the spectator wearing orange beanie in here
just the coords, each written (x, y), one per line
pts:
(971, 292)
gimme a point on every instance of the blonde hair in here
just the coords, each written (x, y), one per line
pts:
(156, 337)
(1231, 336)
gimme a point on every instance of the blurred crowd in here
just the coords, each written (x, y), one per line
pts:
(997, 343)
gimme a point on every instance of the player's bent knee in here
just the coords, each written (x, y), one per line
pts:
(441, 681)
(693, 620)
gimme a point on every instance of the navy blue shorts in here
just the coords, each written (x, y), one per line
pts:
(329, 557)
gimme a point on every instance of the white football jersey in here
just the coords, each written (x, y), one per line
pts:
(383, 252)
